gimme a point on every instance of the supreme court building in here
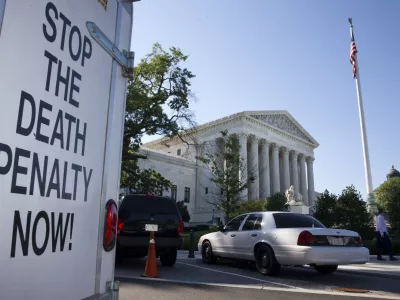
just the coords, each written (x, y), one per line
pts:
(279, 152)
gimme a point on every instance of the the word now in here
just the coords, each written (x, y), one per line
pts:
(57, 226)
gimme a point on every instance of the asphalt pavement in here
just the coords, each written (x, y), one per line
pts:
(237, 280)
(156, 290)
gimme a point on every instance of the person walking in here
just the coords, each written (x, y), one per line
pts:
(382, 237)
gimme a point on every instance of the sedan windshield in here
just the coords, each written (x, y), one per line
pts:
(288, 220)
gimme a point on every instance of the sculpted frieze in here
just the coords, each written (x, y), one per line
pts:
(284, 123)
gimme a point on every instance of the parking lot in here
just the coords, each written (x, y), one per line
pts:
(189, 273)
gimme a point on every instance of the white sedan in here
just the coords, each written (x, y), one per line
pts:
(275, 239)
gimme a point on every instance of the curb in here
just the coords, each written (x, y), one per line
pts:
(366, 273)
(260, 287)
(355, 272)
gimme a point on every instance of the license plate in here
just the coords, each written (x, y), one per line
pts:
(151, 227)
(335, 241)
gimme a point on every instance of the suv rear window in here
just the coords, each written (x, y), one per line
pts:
(137, 204)
(287, 220)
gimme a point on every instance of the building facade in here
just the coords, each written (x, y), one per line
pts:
(277, 150)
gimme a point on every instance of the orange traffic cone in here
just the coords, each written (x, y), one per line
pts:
(151, 262)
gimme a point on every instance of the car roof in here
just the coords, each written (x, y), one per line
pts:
(270, 212)
(147, 195)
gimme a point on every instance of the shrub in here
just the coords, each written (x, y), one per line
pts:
(249, 206)
(277, 202)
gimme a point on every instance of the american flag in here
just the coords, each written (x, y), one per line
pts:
(353, 51)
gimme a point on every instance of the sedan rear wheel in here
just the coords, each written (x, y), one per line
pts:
(326, 269)
(266, 262)
(207, 254)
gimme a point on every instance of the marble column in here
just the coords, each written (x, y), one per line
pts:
(253, 168)
(220, 150)
(265, 189)
(294, 180)
(276, 183)
(286, 171)
(310, 177)
(243, 156)
(303, 179)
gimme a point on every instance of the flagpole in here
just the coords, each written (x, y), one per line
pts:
(371, 201)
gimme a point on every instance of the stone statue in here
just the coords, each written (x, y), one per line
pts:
(299, 198)
(292, 198)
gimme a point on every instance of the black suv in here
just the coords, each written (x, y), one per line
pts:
(133, 240)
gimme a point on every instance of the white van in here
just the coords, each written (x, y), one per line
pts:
(64, 66)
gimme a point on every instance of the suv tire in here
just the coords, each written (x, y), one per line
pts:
(168, 258)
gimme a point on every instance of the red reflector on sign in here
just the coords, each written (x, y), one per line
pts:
(110, 226)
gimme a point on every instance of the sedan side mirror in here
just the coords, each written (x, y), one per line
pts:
(221, 228)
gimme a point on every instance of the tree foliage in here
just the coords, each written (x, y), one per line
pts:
(352, 213)
(325, 209)
(226, 168)
(248, 206)
(183, 211)
(158, 103)
(346, 211)
(150, 182)
(277, 202)
(388, 198)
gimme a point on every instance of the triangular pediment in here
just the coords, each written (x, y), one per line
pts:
(282, 120)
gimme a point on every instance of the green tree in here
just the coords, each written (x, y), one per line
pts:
(158, 103)
(388, 198)
(151, 182)
(226, 169)
(325, 209)
(248, 206)
(277, 202)
(352, 214)
(183, 211)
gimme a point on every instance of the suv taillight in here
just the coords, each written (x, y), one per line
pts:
(305, 239)
(110, 226)
(180, 227)
(119, 227)
(150, 195)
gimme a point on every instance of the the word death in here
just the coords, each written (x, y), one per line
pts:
(48, 176)
(31, 114)
(30, 234)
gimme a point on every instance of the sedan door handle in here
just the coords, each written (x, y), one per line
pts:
(254, 235)
(233, 235)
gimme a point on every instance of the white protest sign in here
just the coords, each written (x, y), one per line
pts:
(54, 93)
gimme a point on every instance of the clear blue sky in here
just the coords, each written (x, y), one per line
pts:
(292, 55)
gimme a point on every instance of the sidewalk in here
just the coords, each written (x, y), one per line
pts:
(387, 268)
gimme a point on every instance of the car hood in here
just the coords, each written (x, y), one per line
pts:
(207, 236)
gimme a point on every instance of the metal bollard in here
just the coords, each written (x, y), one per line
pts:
(191, 241)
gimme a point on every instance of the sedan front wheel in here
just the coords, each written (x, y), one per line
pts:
(207, 254)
